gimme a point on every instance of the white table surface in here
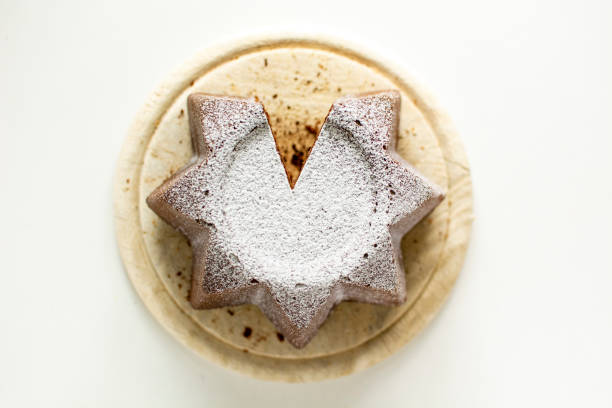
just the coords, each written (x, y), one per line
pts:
(529, 85)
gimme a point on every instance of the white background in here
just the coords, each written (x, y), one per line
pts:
(529, 86)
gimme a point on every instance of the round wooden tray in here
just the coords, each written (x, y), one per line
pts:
(296, 79)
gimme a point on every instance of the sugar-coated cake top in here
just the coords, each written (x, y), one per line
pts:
(295, 252)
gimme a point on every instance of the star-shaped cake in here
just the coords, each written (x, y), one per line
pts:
(295, 252)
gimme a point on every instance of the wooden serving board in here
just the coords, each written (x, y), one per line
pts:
(297, 80)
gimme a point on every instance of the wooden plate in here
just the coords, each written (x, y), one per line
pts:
(296, 79)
